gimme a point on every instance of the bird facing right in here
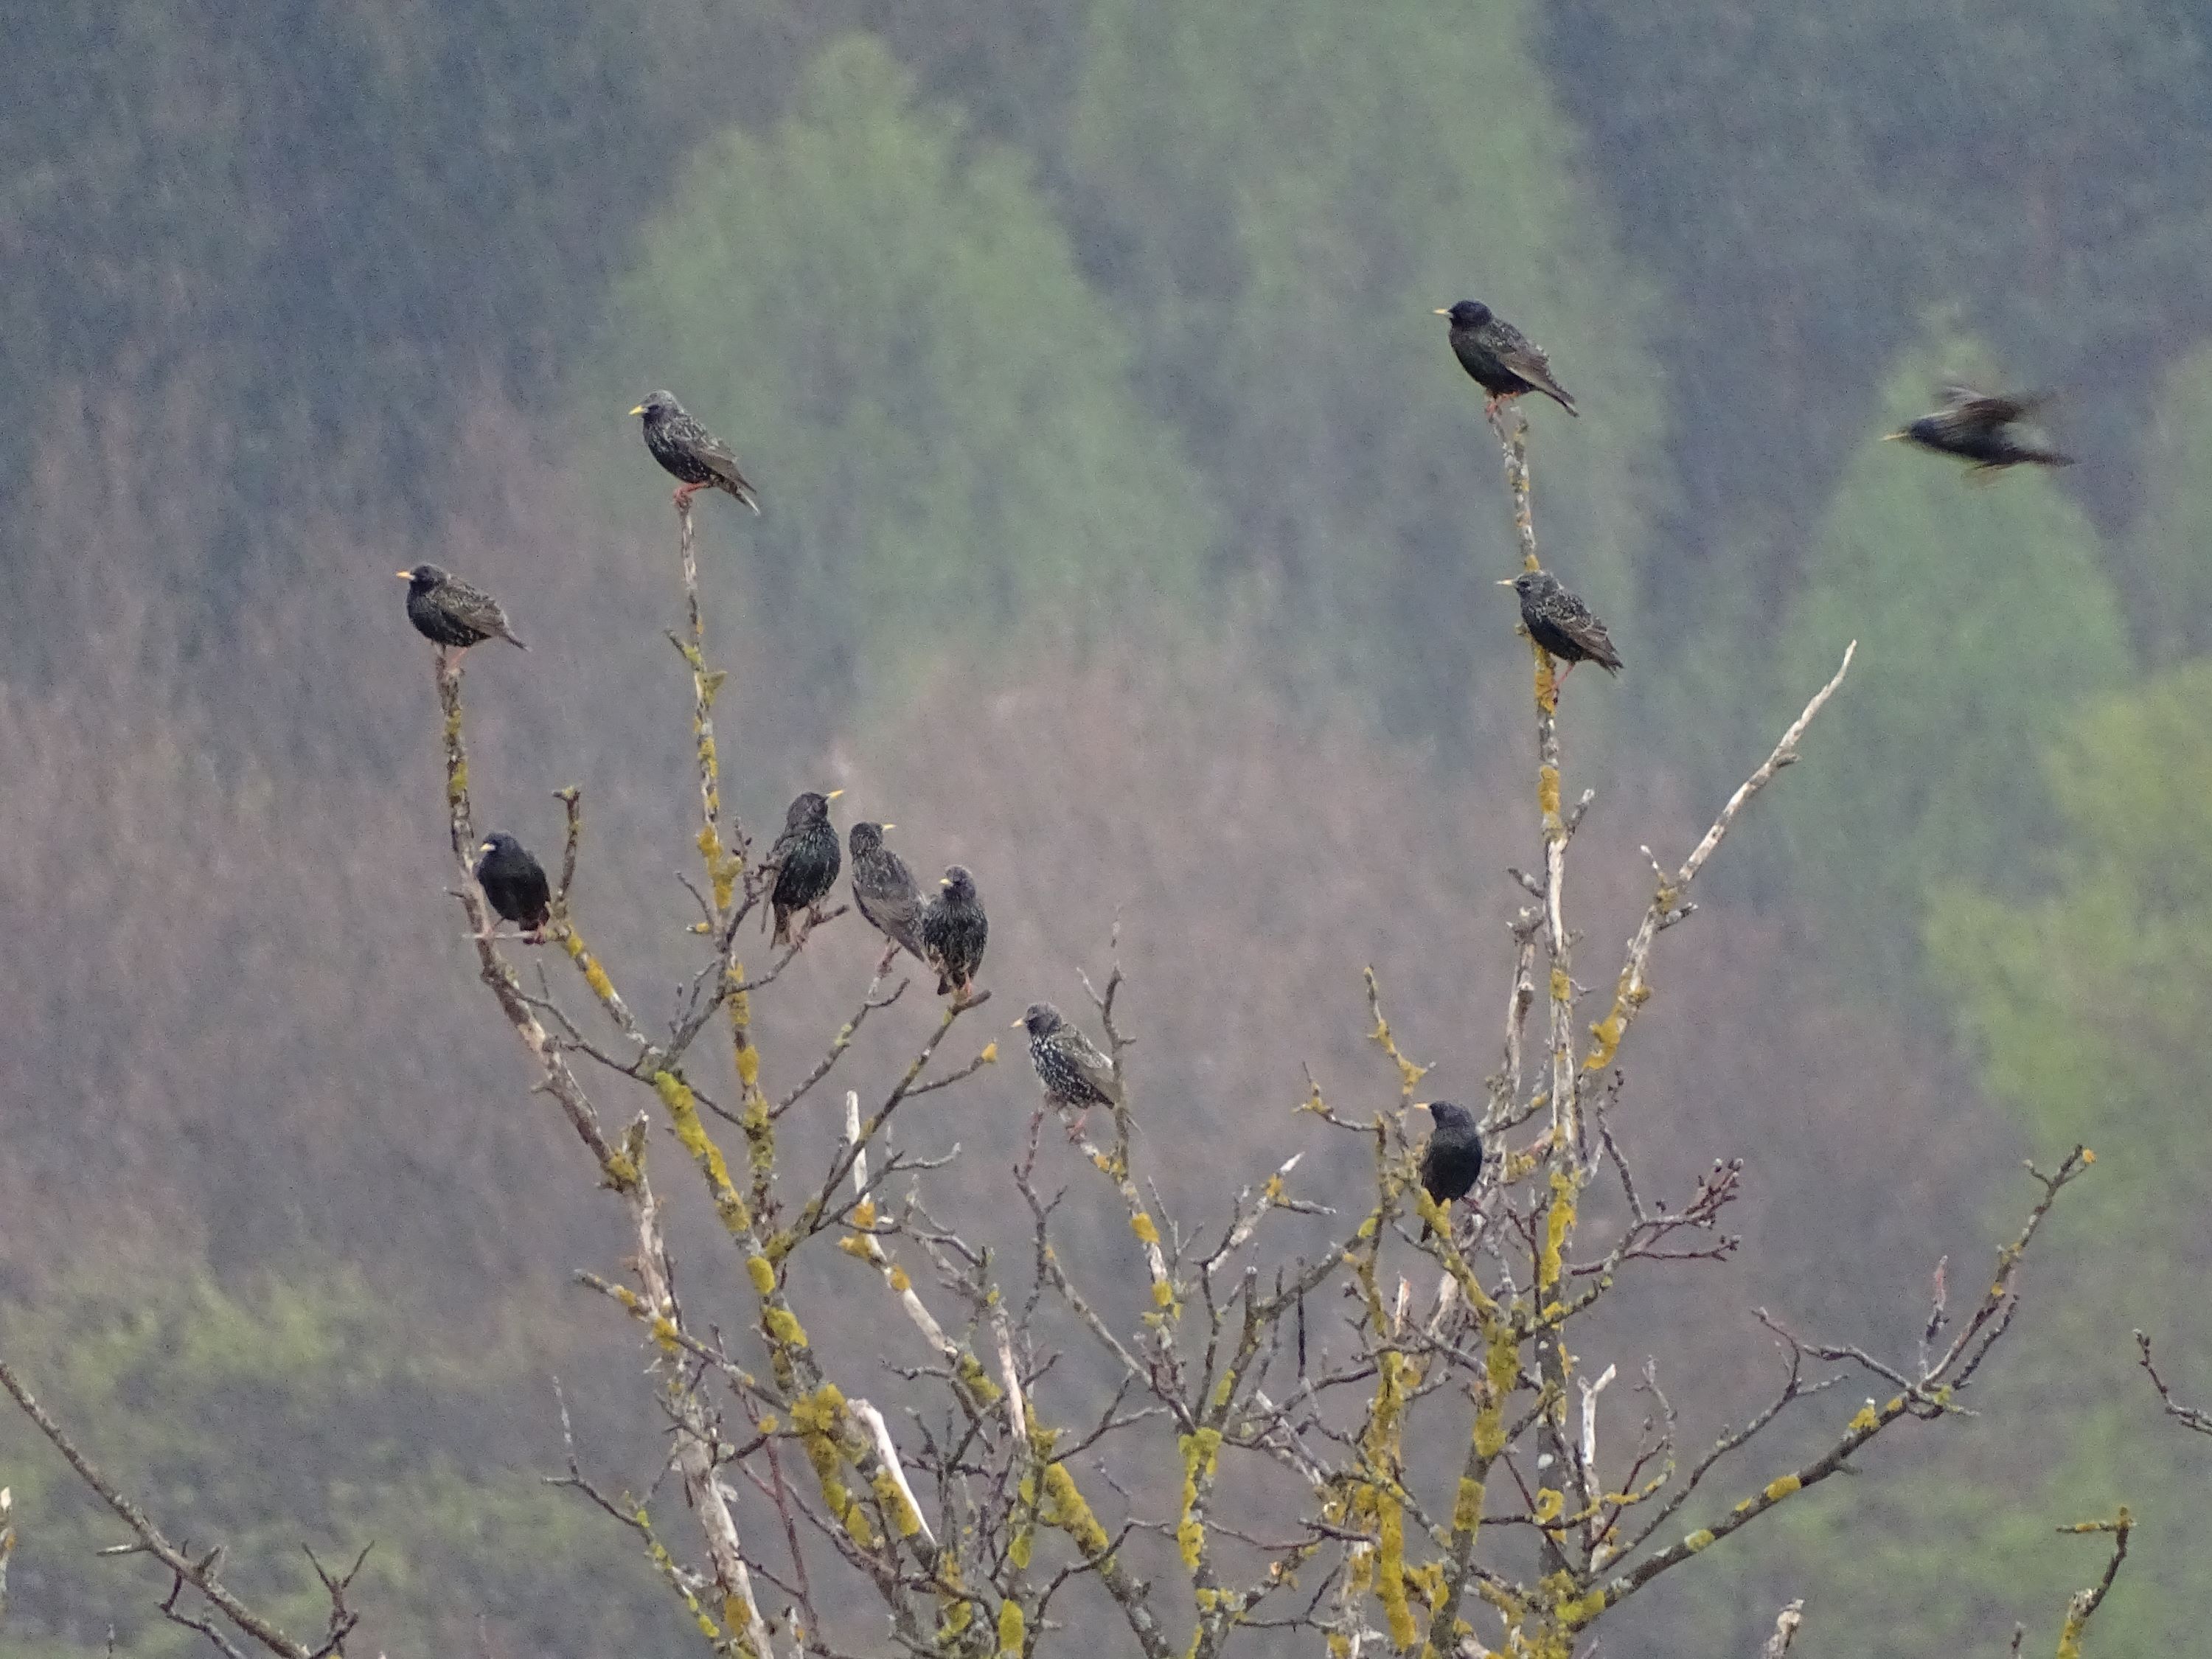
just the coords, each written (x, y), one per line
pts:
(449, 612)
(885, 892)
(514, 882)
(697, 458)
(1070, 1067)
(954, 932)
(1452, 1161)
(806, 860)
(1503, 362)
(1561, 622)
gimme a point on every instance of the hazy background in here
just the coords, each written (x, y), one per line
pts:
(1128, 535)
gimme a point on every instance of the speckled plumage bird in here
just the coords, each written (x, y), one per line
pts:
(696, 456)
(1977, 427)
(884, 888)
(1561, 622)
(1504, 360)
(806, 860)
(954, 932)
(451, 613)
(1070, 1068)
(1452, 1161)
(514, 882)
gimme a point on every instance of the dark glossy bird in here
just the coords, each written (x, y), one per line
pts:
(699, 460)
(1977, 427)
(883, 890)
(1504, 360)
(452, 613)
(1452, 1161)
(1562, 623)
(954, 932)
(1069, 1066)
(514, 882)
(806, 858)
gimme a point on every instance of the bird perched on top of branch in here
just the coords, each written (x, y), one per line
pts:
(1561, 622)
(1977, 427)
(514, 882)
(1502, 360)
(954, 931)
(883, 890)
(806, 860)
(451, 613)
(1070, 1067)
(698, 458)
(1452, 1161)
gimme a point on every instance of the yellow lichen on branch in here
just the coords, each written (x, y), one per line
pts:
(691, 1135)
(1199, 1452)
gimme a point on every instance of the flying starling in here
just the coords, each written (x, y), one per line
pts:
(806, 860)
(1453, 1157)
(954, 932)
(452, 612)
(1977, 427)
(1562, 623)
(1502, 360)
(514, 882)
(883, 890)
(699, 460)
(1069, 1066)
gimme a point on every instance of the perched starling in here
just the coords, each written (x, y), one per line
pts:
(1453, 1157)
(514, 882)
(806, 858)
(1562, 623)
(452, 612)
(884, 891)
(1069, 1066)
(699, 460)
(1977, 427)
(954, 932)
(1502, 360)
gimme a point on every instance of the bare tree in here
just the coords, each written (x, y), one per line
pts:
(1324, 1417)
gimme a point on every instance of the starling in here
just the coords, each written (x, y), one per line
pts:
(1453, 1157)
(1977, 427)
(806, 858)
(1502, 360)
(883, 890)
(699, 460)
(1562, 623)
(452, 612)
(514, 882)
(1069, 1066)
(954, 932)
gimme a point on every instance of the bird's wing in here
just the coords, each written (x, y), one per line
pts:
(892, 907)
(1528, 359)
(1098, 1070)
(1576, 620)
(719, 458)
(1964, 407)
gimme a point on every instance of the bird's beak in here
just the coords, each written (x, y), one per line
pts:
(1505, 581)
(640, 409)
(945, 881)
(485, 847)
(833, 794)
(404, 575)
(1892, 437)
(1015, 1026)
(1441, 310)
(887, 826)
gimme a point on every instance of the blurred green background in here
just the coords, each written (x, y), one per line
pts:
(1128, 535)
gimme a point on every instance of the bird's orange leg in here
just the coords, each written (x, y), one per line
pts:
(685, 492)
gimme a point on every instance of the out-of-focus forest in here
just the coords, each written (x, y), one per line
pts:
(1128, 537)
